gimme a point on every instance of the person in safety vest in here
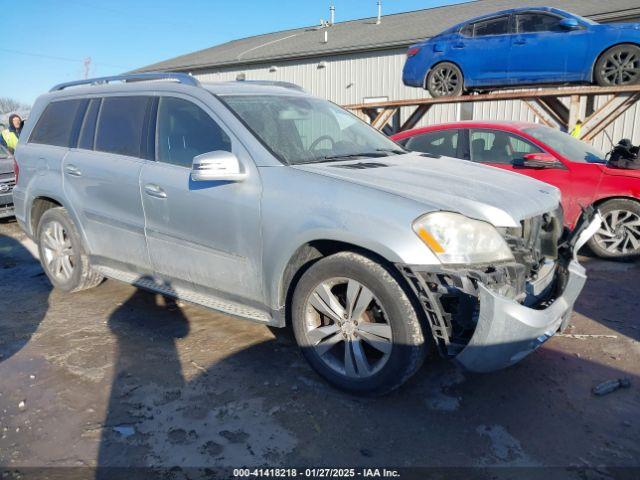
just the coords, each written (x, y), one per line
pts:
(11, 135)
(577, 130)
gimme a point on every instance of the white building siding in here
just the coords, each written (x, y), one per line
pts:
(354, 78)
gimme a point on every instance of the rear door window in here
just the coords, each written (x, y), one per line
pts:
(443, 143)
(121, 124)
(58, 124)
(184, 131)
(493, 26)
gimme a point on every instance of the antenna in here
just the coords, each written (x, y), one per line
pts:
(379, 21)
(332, 14)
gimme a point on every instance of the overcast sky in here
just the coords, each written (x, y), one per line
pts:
(52, 38)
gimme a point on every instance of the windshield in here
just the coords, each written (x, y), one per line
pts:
(566, 145)
(308, 130)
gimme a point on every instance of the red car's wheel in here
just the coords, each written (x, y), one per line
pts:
(619, 236)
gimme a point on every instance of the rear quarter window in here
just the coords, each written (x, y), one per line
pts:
(58, 124)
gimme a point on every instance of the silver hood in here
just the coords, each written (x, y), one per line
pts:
(486, 193)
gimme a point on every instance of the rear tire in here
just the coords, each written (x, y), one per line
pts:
(619, 236)
(445, 80)
(61, 253)
(620, 65)
(356, 325)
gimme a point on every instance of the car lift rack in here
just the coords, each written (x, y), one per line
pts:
(546, 103)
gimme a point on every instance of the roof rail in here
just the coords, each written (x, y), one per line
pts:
(274, 83)
(183, 78)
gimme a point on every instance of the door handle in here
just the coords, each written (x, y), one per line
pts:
(154, 190)
(520, 42)
(72, 170)
(458, 46)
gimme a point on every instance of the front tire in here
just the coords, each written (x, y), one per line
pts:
(61, 253)
(618, 66)
(356, 325)
(445, 80)
(619, 235)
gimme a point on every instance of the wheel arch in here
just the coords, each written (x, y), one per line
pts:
(602, 200)
(38, 206)
(312, 251)
(599, 56)
(457, 64)
(43, 202)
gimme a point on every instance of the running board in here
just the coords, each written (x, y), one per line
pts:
(181, 293)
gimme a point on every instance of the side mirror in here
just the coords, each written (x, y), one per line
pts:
(217, 166)
(569, 24)
(538, 160)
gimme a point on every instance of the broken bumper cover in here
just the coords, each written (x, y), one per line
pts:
(508, 331)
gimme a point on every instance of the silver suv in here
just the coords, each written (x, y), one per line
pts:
(261, 201)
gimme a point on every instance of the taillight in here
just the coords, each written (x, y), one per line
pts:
(413, 51)
(16, 169)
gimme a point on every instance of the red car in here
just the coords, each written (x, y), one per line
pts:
(576, 168)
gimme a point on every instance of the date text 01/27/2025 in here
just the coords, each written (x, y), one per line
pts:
(315, 473)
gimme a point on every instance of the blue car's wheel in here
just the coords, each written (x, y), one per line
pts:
(445, 80)
(619, 65)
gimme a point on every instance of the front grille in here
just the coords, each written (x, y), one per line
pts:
(6, 187)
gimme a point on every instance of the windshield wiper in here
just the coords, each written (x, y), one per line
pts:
(378, 153)
(397, 151)
(344, 156)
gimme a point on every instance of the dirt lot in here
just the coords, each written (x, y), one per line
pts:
(114, 376)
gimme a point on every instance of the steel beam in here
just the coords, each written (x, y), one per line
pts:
(607, 114)
(415, 117)
(491, 97)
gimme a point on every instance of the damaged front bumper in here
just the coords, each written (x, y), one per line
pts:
(484, 329)
(508, 331)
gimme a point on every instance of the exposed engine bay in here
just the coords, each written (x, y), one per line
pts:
(542, 249)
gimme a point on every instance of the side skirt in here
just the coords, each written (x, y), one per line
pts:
(186, 294)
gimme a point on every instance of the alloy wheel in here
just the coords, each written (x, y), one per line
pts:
(621, 67)
(619, 233)
(57, 251)
(445, 81)
(346, 326)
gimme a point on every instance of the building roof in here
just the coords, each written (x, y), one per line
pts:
(394, 31)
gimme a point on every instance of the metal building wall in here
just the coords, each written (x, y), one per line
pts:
(354, 78)
(343, 79)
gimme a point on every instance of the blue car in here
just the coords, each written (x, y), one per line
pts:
(525, 46)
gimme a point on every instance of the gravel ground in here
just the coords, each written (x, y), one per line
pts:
(116, 376)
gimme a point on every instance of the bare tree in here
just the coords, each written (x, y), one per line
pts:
(8, 105)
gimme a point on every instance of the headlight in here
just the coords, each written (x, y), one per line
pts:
(457, 239)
